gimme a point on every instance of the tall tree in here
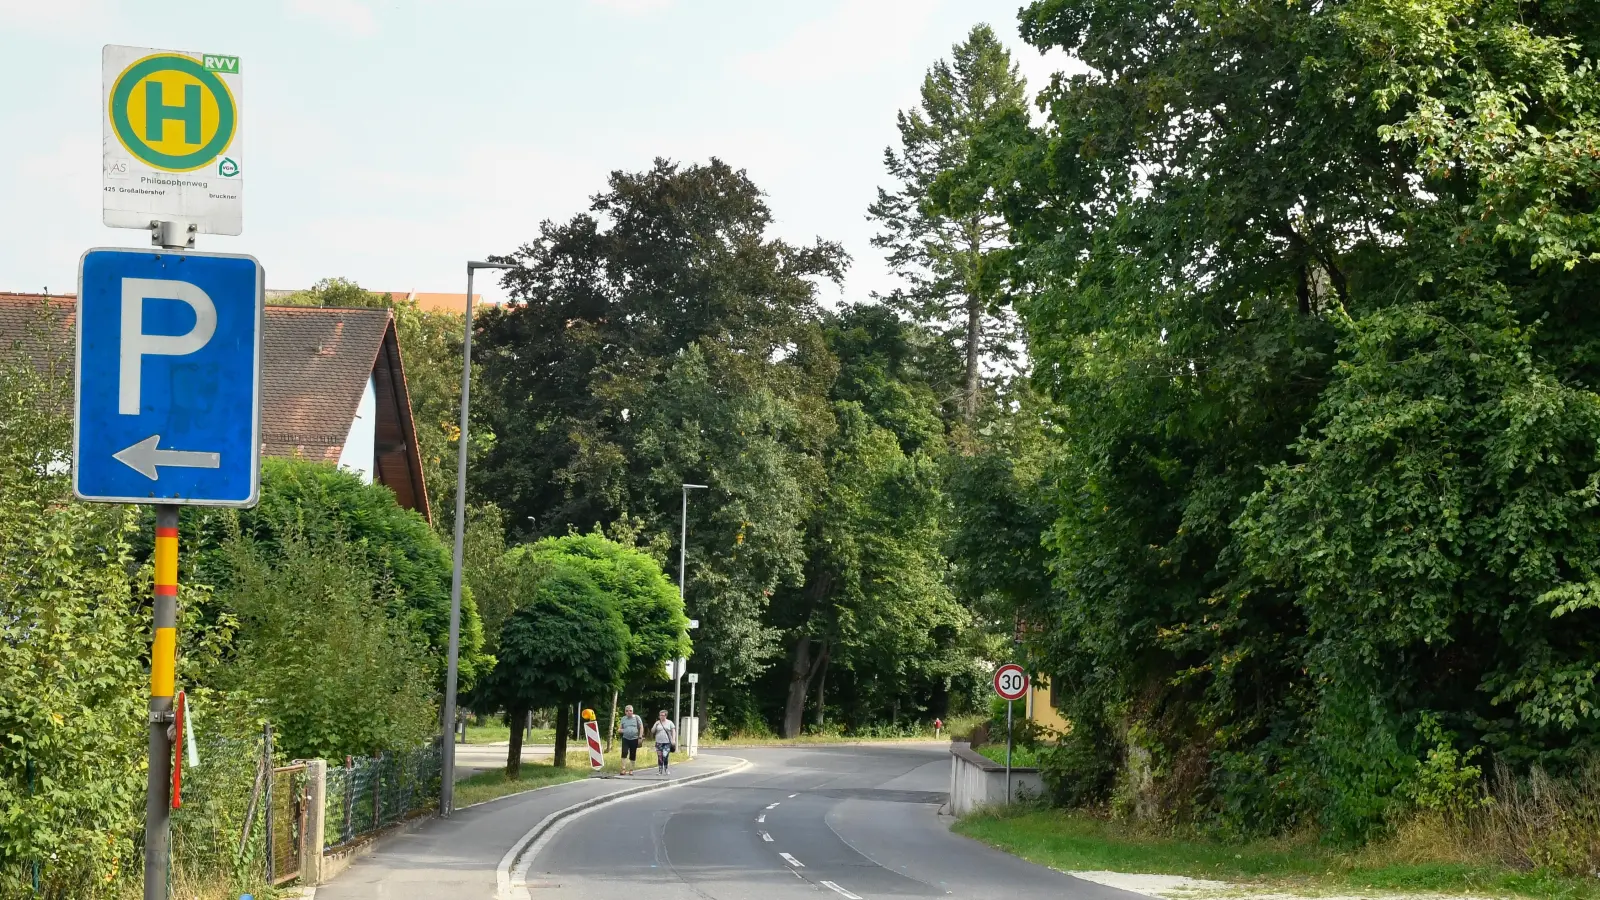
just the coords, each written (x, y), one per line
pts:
(873, 603)
(664, 337)
(566, 640)
(945, 234)
(1310, 314)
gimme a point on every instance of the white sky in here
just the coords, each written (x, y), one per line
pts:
(388, 142)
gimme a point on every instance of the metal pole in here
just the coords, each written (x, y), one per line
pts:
(1009, 704)
(163, 661)
(683, 546)
(447, 779)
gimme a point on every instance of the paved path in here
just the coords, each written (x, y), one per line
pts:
(458, 857)
(800, 823)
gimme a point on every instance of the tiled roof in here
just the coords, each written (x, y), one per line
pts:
(25, 329)
(315, 364)
(434, 302)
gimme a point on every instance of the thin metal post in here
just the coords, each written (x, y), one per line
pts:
(1009, 704)
(272, 777)
(163, 662)
(683, 547)
(447, 780)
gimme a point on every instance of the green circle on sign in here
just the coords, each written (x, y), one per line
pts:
(227, 116)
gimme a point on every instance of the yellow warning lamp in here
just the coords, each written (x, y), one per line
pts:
(588, 715)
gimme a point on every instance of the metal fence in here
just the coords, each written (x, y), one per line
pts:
(369, 793)
(218, 834)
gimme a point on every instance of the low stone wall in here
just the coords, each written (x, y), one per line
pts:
(977, 781)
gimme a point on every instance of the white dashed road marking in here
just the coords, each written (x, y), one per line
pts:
(841, 891)
(766, 837)
(761, 818)
(775, 805)
(792, 861)
(792, 796)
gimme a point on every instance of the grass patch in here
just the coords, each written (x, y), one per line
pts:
(500, 733)
(494, 783)
(764, 739)
(1076, 842)
(1021, 757)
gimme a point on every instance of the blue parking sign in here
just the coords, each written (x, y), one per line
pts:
(168, 378)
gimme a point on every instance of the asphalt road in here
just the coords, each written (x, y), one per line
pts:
(856, 822)
(819, 823)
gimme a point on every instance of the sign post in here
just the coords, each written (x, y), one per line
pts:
(691, 725)
(1011, 683)
(168, 364)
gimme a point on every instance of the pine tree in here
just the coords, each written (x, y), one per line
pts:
(953, 283)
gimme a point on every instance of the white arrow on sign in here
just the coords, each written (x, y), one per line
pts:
(143, 458)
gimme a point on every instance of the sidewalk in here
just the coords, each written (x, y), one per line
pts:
(458, 857)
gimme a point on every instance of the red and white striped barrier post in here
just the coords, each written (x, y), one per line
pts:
(591, 731)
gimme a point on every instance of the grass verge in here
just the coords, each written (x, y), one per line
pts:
(1076, 842)
(1021, 757)
(500, 733)
(494, 783)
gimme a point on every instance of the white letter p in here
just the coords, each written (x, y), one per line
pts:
(136, 345)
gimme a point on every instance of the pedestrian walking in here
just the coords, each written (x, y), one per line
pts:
(632, 734)
(666, 735)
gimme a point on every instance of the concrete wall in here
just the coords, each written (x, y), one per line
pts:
(976, 781)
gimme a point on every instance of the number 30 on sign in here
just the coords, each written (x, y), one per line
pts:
(1011, 682)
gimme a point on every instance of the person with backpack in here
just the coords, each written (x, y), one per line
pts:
(632, 733)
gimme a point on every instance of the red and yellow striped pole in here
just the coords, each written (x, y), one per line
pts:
(163, 665)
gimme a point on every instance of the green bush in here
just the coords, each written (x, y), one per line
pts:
(1080, 770)
(334, 672)
(72, 645)
(322, 504)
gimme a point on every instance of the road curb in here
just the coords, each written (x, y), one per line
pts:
(506, 889)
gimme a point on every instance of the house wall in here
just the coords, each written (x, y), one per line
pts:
(1040, 709)
(360, 451)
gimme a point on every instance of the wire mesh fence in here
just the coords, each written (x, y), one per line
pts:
(368, 793)
(219, 839)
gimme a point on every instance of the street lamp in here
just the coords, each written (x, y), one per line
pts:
(683, 547)
(447, 785)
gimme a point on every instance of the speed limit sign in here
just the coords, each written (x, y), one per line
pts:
(1011, 682)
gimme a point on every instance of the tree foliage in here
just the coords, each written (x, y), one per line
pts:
(944, 232)
(565, 640)
(335, 672)
(1307, 298)
(324, 506)
(72, 687)
(664, 338)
